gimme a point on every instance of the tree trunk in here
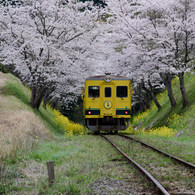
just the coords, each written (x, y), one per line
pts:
(47, 93)
(182, 88)
(153, 96)
(156, 101)
(147, 101)
(45, 99)
(142, 107)
(44, 102)
(32, 99)
(36, 97)
(166, 77)
(133, 110)
(147, 96)
(54, 103)
(38, 102)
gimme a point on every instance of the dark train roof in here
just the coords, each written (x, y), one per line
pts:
(102, 77)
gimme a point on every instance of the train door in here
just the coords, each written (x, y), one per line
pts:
(108, 99)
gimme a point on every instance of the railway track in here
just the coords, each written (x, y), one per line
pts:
(186, 164)
(149, 178)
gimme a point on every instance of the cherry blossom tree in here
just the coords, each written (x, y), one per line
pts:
(173, 37)
(159, 34)
(48, 42)
(128, 24)
(56, 45)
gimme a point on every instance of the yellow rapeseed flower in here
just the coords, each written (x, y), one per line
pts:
(68, 126)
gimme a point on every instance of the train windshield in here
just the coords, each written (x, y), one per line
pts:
(121, 91)
(107, 91)
(94, 91)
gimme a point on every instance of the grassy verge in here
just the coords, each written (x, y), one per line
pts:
(29, 138)
(173, 129)
(171, 175)
(80, 163)
(176, 121)
(23, 130)
(80, 160)
(76, 166)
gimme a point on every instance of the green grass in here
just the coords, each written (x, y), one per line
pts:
(157, 164)
(79, 162)
(82, 160)
(15, 88)
(185, 120)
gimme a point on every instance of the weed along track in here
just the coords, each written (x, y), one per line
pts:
(186, 164)
(163, 173)
(147, 175)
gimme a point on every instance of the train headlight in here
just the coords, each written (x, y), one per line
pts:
(126, 112)
(108, 78)
(89, 112)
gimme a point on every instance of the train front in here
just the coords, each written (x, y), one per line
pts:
(107, 103)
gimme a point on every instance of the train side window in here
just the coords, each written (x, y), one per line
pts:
(107, 91)
(94, 91)
(121, 91)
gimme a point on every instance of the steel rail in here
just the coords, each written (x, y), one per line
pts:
(144, 173)
(187, 164)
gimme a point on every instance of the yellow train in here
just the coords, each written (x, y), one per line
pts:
(107, 103)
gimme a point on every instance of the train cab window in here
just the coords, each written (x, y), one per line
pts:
(121, 91)
(94, 91)
(107, 91)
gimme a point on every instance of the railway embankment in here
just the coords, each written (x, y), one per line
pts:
(86, 164)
